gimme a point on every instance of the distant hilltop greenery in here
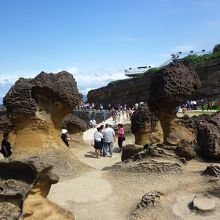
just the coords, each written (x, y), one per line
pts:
(190, 58)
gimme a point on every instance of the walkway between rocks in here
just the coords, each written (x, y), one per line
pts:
(91, 195)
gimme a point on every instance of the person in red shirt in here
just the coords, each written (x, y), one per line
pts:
(121, 136)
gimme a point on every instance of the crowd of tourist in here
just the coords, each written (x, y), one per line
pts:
(104, 139)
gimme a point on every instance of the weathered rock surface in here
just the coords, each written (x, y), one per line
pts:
(24, 186)
(74, 124)
(156, 151)
(204, 203)
(5, 124)
(130, 150)
(143, 125)
(186, 149)
(149, 166)
(133, 90)
(170, 86)
(212, 171)
(208, 136)
(36, 108)
(149, 199)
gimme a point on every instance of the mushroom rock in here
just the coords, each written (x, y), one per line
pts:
(36, 108)
(24, 186)
(170, 87)
(144, 125)
(74, 124)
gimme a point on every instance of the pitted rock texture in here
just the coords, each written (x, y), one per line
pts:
(149, 200)
(143, 125)
(212, 171)
(130, 150)
(53, 93)
(74, 124)
(186, 149)
(36, 107)
(133, 90)
(149, 166)
(208, 136)
(24, 186)
(182, 128)
(170, 86)
(5, 124)
(156, 151)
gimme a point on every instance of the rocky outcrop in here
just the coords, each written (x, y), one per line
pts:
(203, 203)
(144, 125)
(212, 171)
(24, 186)
(36, 108)
(186, 149)
(133, 90)
(208, 136)
(130, 150)
(74, 124)
(170, 86)
(5, 124)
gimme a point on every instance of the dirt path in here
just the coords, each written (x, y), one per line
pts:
(90, 196)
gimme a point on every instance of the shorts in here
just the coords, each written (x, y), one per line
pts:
(98, 145)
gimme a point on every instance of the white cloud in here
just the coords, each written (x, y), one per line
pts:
(85, 81)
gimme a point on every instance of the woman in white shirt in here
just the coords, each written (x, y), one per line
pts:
(98, 142)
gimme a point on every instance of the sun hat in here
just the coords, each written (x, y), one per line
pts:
(63, 131)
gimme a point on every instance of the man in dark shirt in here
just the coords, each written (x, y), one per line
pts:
(6, 149)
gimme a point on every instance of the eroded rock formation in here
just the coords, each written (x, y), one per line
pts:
(145, 127)
(170, 86)
(133, 90)
(36, 108)
(208, 135)
(24, 186)
(74, 124)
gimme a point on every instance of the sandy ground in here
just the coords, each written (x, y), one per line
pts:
(101, 194)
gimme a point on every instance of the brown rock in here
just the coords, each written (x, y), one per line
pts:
(130, 150)
(24, 187)
(36, 108)
(208, 136)
(212, 171)
(186, 149)
(170, 86)
(204, 203)
(145, 126)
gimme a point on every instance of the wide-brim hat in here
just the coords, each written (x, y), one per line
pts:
(63, 131)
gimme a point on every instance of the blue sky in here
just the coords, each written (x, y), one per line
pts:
(96, 39)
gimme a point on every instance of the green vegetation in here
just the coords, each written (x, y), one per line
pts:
(152, 70)
(199, 58)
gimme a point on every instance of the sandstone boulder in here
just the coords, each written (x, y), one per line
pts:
(130, 150)
(170, 86)
(212, 171)
(145, 126)
(36, 107)
(208, 136)
(186, 149)
(74, 124)
(203, 203)
(24, 186)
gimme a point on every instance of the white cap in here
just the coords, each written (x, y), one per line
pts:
(63, 131)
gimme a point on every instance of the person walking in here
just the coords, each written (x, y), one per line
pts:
(109, 138)
(98, 142)
(121, 136)
(6, 148)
